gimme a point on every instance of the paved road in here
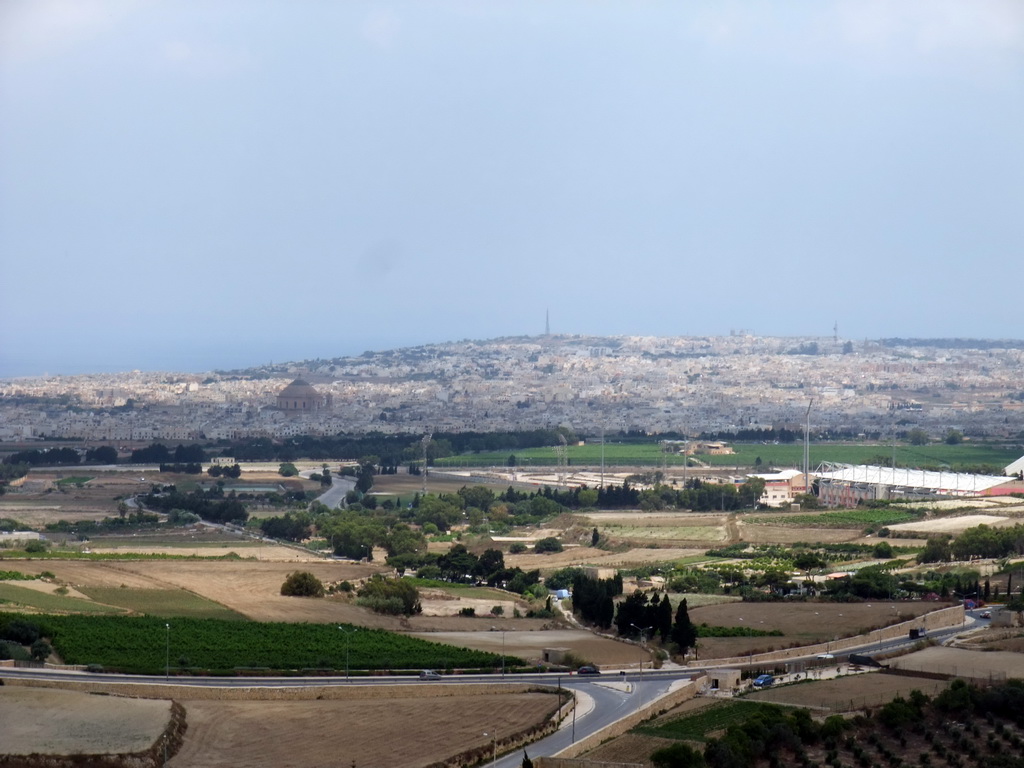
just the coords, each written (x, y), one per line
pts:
(607, 703)
(334, 497)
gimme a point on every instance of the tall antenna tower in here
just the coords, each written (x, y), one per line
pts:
(547, 322)
(807, 447)
(426, 444)
(835, 332)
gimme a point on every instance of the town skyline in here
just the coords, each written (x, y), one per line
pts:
(687, 384)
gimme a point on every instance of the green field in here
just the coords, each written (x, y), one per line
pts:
(75, 480)
(702, 725)
(13, 597)
(851, 518)
(780, 455)
(143, 645)
(161, 602)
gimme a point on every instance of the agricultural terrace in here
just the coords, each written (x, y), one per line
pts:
(142, 645)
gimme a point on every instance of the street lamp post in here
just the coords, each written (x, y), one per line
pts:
(643, 645)
(348, 634)
(167, 656)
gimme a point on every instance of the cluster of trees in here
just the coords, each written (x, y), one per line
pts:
(158, 453)
(191, 468)
(700, 496)
(461, 566)
(86, 528)
(19, 632)
(594, 599)
(770, 435)
(980, 541)
(291, 528)
(234, 471)
(640, 615)
(398, 597)
(211, 505)
(302, 584)
(47, 458)
(10, 472)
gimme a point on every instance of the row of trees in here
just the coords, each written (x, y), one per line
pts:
(638, 615)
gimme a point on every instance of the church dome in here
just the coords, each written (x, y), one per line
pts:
(299, 388)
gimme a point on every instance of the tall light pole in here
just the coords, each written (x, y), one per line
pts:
(167, 657)
(348, 634)
(643, 645)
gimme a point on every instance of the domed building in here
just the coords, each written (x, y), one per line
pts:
(301, 397)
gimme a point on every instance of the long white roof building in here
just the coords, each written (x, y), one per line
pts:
(845, 484)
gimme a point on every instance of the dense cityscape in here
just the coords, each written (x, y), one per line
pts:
(687, 385)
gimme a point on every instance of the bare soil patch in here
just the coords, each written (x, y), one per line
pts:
(800, 623)
(530, 645)
(953, 524)
(598, 557)
(961, 662)
(777, 534)
(52, 721)
(850, 692)
(400, 733)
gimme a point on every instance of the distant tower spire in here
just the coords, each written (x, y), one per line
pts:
(835, 331)
(547, 322)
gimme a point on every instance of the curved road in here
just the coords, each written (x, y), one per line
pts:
(606, 698)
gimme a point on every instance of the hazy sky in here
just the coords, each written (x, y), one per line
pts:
(195, 184)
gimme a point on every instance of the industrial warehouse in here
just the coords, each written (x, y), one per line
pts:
(845, 485)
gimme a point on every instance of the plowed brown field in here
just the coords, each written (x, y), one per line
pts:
(399, 733)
